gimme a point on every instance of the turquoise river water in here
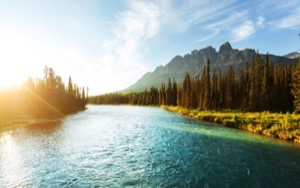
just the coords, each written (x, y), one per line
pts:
(126, 146)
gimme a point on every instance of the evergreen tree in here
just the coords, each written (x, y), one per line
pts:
(163, 94)
(256, 81)
(186, 92)
(83, 93)
(194, 94)
(197, 89)
(278, 89)
(296, 87)
(221, 89)
(207, 87)
(287, 95)
(214, 91)
(70, 85)
(174, 93)
(202, 89)
(169, 93)
(179, 97)
(230, 89)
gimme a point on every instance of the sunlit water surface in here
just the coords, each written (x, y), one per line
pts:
(124, 146)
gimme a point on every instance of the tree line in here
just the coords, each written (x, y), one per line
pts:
(259, 86)
(44, 97)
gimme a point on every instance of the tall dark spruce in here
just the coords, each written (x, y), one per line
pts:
(259, 86)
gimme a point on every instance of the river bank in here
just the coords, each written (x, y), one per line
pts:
(18, 120)
(276, 125)
(14, 123)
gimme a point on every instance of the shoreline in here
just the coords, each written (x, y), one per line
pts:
(275, 125)
(16, 123)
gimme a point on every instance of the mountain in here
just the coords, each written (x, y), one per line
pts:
(194, 63)
(293, 55)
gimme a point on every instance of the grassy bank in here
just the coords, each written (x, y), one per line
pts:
(7, 124)
(14, 122)
(283, 126)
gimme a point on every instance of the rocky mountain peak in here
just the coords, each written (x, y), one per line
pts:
(194, 62)
(225, 48)
(293, 55)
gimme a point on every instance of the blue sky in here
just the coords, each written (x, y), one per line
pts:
(108, 45)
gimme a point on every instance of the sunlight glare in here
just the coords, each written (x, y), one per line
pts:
(18, 59)
(12, 163)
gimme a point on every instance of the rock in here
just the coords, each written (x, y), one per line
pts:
(225, 48)
(194, 63)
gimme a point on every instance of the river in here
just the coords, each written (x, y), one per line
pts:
(127, 146)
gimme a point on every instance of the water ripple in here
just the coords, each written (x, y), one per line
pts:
(125, 146)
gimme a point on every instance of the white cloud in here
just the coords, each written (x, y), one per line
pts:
(260, 21)
(227, 22)
(243, 31)
(279, 5)
(123, 53)
(142, 20)
(215, 32)
(216, 27)
(247, 29)
(290, 21)
(192, 12)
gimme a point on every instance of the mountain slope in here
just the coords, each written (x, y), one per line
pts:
(194, 62)
(293, 55)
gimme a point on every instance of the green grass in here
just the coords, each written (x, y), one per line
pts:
(277, 125)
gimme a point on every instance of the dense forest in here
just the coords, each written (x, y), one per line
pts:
(259, 86)
(45, 97)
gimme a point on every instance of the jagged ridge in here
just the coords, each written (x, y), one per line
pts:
(194, 62)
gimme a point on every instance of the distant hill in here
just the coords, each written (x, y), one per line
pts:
(293, 55)
(194, 62)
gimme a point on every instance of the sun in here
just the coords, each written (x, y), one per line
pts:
(9, 76)
(10, 64)
(17, 59)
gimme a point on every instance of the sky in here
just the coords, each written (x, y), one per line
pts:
(108, 45)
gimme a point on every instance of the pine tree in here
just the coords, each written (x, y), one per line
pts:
(162, 94)
(256, 81)
(221, 89)
(214, 91)
(207, 88)
(230, 88)
(179, 97)
(197, 88)
(278, 89)
(186, 92)
(248, 85)
(169, 93)
(70, 85)
(296, 87)
(51, 81)
(83, 93)
(174, 93)
(287, 95)
(194, 91)
(266, 85)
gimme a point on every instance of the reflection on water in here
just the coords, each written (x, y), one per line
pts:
(11, 162)
(44, 126)
(123, 146)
